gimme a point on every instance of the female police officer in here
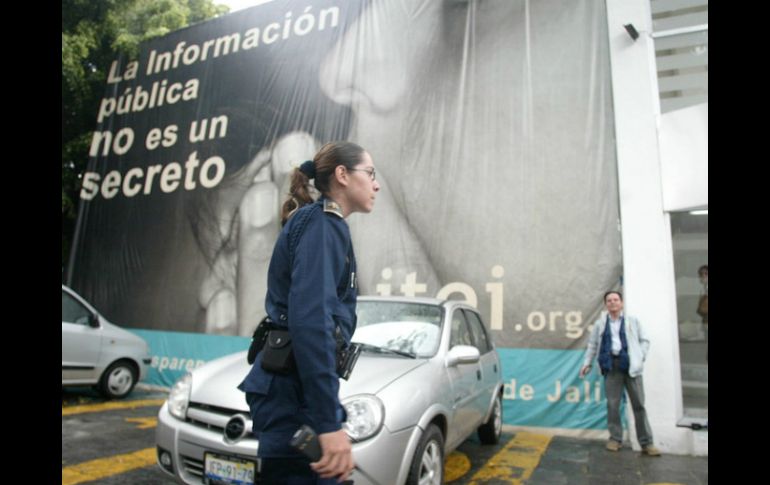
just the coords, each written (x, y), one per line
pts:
(312, 291)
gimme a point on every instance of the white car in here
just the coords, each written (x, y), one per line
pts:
(428, 378)
(96, 352)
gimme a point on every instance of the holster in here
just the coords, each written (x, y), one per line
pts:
(277, 355)
(346, 360)
(346, 355)
(258, 339)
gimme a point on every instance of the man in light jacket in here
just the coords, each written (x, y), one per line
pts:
(622, 347)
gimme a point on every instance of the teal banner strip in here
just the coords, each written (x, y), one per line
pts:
(174, 353)
(542, 387)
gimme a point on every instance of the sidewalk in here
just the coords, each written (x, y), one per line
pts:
(572, 461)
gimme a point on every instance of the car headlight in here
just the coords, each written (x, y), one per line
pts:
(365, 416)
(179, 397)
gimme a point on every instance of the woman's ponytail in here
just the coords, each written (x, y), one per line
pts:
(299, 190)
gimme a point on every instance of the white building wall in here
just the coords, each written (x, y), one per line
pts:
(648, 277)
(684, 158)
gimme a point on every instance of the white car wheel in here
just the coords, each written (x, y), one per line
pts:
(118, 380)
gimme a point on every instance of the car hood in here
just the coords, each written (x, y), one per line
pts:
(216, 383)
(374, 372)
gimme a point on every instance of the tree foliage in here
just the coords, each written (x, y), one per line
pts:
(94, 33)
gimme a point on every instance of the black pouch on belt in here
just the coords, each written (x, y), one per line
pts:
(277, 355)
(258, 339)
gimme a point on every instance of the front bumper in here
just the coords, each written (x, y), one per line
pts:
(188, 441)
(379, 457)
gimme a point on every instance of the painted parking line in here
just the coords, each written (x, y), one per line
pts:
(107, 406)
(456, 466)
(105, 467)
(143, 423)
(515, 462)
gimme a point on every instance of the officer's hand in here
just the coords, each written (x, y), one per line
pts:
(337, 458)
(584, 370)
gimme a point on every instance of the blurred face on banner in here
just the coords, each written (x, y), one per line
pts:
(496, 160)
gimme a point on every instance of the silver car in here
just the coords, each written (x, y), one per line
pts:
(428, 378)
(96, 352)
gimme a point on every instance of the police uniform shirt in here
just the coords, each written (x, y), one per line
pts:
(311, 289)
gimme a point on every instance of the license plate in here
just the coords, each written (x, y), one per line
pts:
(219, 469)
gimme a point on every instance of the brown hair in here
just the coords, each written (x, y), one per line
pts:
(321, 170)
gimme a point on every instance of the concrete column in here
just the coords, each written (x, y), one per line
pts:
(648, 270)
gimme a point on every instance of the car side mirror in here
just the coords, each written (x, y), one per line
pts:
(93, 320)
(462, 354)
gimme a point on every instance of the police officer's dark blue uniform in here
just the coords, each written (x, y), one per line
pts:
(311, 290)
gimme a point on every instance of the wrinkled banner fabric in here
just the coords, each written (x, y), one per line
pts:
(491, 127)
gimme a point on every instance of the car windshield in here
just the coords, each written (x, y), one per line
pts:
(414, 328)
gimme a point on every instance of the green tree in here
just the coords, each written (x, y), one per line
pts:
(93, 34)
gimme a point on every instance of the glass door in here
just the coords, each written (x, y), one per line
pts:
(690, 243)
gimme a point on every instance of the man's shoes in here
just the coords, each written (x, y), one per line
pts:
(613, 445)
(650, 450)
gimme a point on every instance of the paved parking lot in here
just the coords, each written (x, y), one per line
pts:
(113, 442)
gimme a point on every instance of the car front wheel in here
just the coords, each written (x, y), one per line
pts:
(489, 432)
(428, 462)
(118, 380)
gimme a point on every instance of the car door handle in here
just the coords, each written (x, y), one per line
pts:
(478, 375)
(495, 366)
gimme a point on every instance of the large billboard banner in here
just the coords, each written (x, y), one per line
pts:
(491, 127)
